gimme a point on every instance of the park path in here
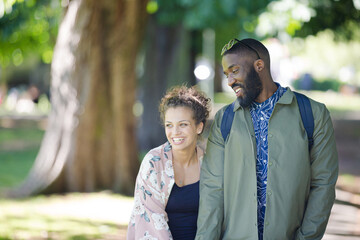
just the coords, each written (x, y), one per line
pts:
(344, 222)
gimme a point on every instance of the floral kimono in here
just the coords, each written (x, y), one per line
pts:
(154, 182)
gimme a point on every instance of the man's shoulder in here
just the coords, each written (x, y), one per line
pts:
(220, 112)
(317, 107)
(316, 104)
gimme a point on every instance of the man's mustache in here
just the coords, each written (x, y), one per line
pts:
(237, 85)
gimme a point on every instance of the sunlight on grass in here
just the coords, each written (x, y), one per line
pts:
(335, 101)
(70, 216)
(224, 97)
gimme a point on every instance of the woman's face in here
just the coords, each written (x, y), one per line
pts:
(181, 129)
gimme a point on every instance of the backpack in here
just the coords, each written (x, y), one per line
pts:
(305, 112)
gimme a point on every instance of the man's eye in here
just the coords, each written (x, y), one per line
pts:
(183, 124)
(235, 71)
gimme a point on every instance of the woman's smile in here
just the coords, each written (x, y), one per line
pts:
(178, 140)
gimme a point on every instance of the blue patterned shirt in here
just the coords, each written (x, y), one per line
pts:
(260, 113)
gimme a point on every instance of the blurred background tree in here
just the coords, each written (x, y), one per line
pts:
(112, 63)
(322, 35)
(90, 140)
(28, 31)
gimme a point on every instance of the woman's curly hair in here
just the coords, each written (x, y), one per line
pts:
(182, 96)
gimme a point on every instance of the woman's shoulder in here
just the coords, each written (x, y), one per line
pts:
(161, 151)
(156, 166)
(158, 157)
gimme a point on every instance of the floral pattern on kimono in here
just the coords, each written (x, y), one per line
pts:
(152, 190)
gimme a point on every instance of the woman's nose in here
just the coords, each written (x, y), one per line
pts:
(176, 130)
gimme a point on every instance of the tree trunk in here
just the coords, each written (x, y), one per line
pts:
(90, 141)
(168, 62)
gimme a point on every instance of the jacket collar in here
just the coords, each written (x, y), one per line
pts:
(287, 98)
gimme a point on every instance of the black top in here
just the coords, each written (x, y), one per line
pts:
(182, 210)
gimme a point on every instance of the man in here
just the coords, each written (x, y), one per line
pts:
(263, 182)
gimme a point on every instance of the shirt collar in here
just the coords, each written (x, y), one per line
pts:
(275, 95)
(286, 98)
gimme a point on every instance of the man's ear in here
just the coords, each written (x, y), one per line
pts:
(259, 65)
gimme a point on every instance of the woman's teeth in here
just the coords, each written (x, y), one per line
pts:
(177, 140)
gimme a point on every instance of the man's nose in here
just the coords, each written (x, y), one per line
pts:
(231, 80)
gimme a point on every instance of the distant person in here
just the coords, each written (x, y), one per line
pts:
(167, 186)
(306, 82)
(34, 93)
(262, 181)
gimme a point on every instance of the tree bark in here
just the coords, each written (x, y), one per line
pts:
(90, 142)
(168, 62)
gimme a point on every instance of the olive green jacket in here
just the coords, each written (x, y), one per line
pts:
(300, 188)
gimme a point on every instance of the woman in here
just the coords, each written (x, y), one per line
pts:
(167, 186)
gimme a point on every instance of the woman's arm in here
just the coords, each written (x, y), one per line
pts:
(149, 219)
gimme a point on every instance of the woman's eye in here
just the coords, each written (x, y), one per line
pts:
(168, 125)
(236, 71)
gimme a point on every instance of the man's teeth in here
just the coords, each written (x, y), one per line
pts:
(178, 139)
(237, 90)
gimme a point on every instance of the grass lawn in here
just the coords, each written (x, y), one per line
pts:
(77, 216)
(18, 150)
(20, 134)
(15, 165)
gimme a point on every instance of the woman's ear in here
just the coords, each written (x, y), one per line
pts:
(259, 65)
(200, 128)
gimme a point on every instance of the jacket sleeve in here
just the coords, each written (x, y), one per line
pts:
(148, 218)
(324, 173)
(211, 209)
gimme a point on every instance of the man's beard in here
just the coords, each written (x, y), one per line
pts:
(252, 87)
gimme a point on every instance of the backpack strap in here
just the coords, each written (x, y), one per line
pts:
(227, 120)
(306, 116)
(305, 112)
